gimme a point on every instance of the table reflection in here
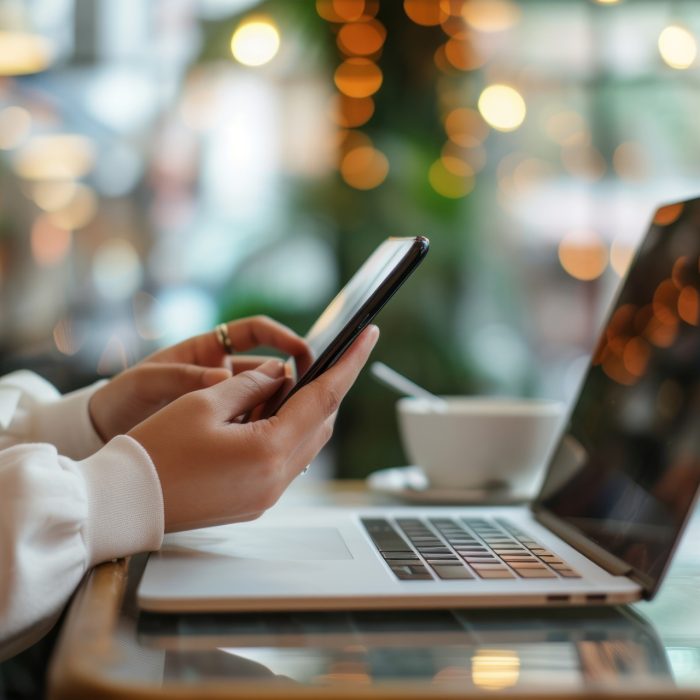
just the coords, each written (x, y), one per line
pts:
(467, 649)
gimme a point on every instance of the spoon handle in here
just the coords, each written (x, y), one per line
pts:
(404, 386)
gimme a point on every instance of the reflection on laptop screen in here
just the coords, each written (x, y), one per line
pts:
(626, 472)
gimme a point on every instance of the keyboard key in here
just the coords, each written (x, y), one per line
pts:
(535, 573)
(452, 572)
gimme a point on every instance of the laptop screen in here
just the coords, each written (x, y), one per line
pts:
(627, 468)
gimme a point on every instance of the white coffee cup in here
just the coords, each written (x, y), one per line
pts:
(479, 442)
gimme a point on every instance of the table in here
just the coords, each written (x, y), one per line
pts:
(108, 648)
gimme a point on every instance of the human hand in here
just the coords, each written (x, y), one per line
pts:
(215, 470)
(193, 364)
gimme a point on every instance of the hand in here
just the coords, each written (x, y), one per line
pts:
(214, 470)
(196, 363)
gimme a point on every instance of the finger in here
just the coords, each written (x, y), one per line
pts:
(314, 403)
(245, 334)
(243, 392)
(242, 363)
(166, 382)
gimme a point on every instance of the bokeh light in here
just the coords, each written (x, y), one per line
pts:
(448, 184)
(502, 107)
(495, 669)
(466, 127)
(116, 269)
(621, 256)
(428, 13)
(583, 254)
(677, 47)
(364, 168)
(78, 211)
(491, 15)
(255, 42)
(462, 55)
(22, 53)
(350, 112)
(55, 157)
(49, 242)
(361, 38)
(358, 77)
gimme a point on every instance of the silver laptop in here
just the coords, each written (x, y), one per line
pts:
(619, 488)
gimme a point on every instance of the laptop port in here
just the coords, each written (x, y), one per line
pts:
(596, 597)
(558, 598)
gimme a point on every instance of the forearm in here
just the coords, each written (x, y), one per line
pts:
(59, 517)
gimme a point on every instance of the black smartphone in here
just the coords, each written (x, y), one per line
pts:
(353, 308)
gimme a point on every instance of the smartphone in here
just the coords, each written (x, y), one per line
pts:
(353, 308)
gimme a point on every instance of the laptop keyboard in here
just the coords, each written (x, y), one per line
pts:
(418, 549)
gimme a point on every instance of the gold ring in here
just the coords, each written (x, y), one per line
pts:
(223, 337)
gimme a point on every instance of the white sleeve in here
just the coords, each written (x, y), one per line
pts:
(31, 410)
(60, 516)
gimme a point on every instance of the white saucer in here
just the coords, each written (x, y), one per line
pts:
(410, 484)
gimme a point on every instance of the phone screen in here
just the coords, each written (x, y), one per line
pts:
(355, 306)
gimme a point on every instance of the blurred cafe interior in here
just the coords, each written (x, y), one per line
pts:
(169, 164)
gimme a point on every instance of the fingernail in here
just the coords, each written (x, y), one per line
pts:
(214, 375)
(373, 332)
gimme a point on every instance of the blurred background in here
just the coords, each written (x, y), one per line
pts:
(168, 164)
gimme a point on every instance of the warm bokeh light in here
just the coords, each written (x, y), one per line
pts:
(583, 255)
(53, 194)
(50, 243)
(364, 168)
(665, 216)
(465, 127)
(15, 123)
(350, 112)
(491, 15)
(502, 107)
(621, 255)
(456, 165)
(255, 42)
(346, 10)
(689, 305)
(78, 211)
(677, 47)
(65, 337)
(495, 669)
(448, 184)
(428, 13)
(462, 55)
(358, 77)
(22, 53)
(55, 157)
(630, 161)
(665, 302)
(361, 38)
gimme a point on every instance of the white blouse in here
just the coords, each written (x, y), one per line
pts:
(67, 502)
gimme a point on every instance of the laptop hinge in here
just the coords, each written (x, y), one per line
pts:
(612, 564)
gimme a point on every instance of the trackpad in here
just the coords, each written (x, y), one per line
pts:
(262, 543)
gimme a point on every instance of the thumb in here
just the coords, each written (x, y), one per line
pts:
(243, 392)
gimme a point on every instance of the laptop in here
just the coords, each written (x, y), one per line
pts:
(619, 488)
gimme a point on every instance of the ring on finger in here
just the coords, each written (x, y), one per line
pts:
(224, 338)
